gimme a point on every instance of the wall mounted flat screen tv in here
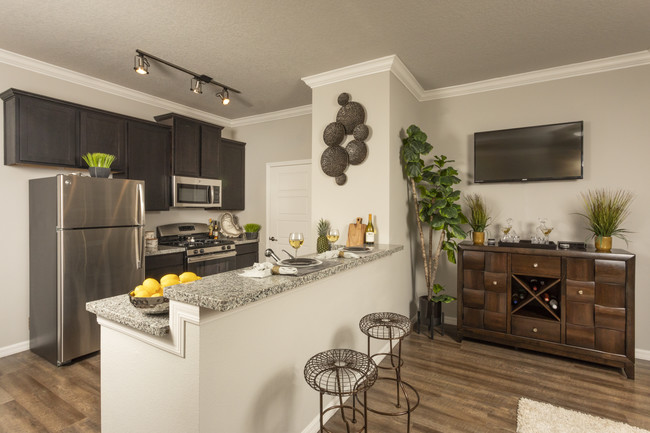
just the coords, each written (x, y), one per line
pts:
(534, 153)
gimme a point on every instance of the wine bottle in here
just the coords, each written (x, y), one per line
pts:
(546, 297)
(553, 303)
(534, 284)
(370, 232)
(515, 299)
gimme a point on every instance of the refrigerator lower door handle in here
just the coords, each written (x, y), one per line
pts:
(139, 247)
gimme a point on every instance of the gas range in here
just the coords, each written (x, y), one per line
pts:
(194, 237)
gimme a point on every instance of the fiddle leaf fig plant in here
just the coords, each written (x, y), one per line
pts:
(435, 202)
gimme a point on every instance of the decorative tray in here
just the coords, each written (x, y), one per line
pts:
(528, 244)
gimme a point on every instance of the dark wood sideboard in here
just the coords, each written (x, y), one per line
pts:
(594, 292)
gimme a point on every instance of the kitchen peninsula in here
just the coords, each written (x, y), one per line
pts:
(230, 355)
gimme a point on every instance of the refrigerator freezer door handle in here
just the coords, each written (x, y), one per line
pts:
(140, 204)
(139, 247)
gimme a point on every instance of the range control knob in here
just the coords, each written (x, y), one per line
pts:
(202, 250)
(196, 251)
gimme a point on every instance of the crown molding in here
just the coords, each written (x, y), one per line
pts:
(567, 71)
(33, 65)
(304, 110)
(370, 67)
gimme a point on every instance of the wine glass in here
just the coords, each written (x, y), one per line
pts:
(333, 236)
(296, 240)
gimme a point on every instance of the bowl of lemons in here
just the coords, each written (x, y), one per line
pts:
(148, 296)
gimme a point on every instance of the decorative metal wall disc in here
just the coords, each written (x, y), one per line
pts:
(357, 151)
(341, 179)
(351, 115)
(360, 132)
(343, 99)
(334, 161)
(334, 134)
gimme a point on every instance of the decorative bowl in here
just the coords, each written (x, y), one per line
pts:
(152, 305)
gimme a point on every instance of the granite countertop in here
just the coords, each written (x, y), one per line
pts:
(119, 309)
(225, 291)
(162, 249)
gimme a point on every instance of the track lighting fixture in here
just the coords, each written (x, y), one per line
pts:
(196, 83)
(225, 97)
(196, 86)
(141, 64)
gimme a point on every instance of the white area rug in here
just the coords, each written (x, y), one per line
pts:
(536, 417)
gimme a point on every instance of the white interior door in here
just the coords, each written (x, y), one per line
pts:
(288, 206)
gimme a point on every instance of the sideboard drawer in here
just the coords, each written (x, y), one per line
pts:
(495, 282)
(581, 291)
(536, 328)
(536, 265)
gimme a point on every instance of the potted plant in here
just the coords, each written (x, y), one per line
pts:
(605, 211)
(478, 217)
(251, 230)
(98, 163)
(435, 205)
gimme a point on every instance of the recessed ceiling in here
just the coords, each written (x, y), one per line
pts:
(265, 48)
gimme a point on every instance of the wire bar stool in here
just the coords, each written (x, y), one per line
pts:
(342, 373)
(392, 326)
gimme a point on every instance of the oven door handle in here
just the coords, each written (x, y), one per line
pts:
(215, 256)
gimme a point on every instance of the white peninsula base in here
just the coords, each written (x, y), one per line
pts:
(241, 371)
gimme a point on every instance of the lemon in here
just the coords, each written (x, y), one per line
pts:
(151, 285)
(169, 280)
(188, 277)
(140, 292)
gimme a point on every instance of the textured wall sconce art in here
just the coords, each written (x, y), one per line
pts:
(350, 119)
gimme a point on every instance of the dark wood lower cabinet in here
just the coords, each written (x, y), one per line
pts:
(247, 255)
(578, 304)
(163, 264)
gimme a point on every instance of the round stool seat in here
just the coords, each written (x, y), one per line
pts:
(340, 372)
(385, 326)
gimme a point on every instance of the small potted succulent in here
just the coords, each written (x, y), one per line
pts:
(99, 164)
(251, 230)
(605, 210)
(478, 217)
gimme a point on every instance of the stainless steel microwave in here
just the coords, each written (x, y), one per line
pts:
(195, 192)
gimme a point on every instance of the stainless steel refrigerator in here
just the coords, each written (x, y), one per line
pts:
(86, 242)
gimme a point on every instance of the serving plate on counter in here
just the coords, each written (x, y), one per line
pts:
(357, 249)
(300, 262)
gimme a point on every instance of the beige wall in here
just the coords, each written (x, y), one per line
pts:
(366, 188)
(615, 107)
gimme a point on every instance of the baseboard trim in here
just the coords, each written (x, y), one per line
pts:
(14, 348)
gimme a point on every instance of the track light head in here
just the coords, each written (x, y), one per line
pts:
(141, 65)
(196, 86)
(225, 97)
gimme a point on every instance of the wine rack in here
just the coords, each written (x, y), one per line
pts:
(578, 304)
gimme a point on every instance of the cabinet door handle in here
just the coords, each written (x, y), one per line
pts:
(535, 330)
(535, 265)
(272, 238)
(580, 292)
(494, 282)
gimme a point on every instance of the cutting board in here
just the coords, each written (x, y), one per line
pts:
(356, 234)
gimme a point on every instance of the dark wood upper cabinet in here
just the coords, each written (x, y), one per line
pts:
(232, 164)
(105, 133)
(39, 130)
(149, 159)
(210, 142)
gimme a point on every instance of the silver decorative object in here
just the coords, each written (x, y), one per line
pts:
(361, 132)
(351, 115)
(334, 134)
(334, 161)
(357, 151)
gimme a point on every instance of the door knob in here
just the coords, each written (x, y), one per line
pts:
(272, 238)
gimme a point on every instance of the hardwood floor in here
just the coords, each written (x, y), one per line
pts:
(36, 396)
(464, 387)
